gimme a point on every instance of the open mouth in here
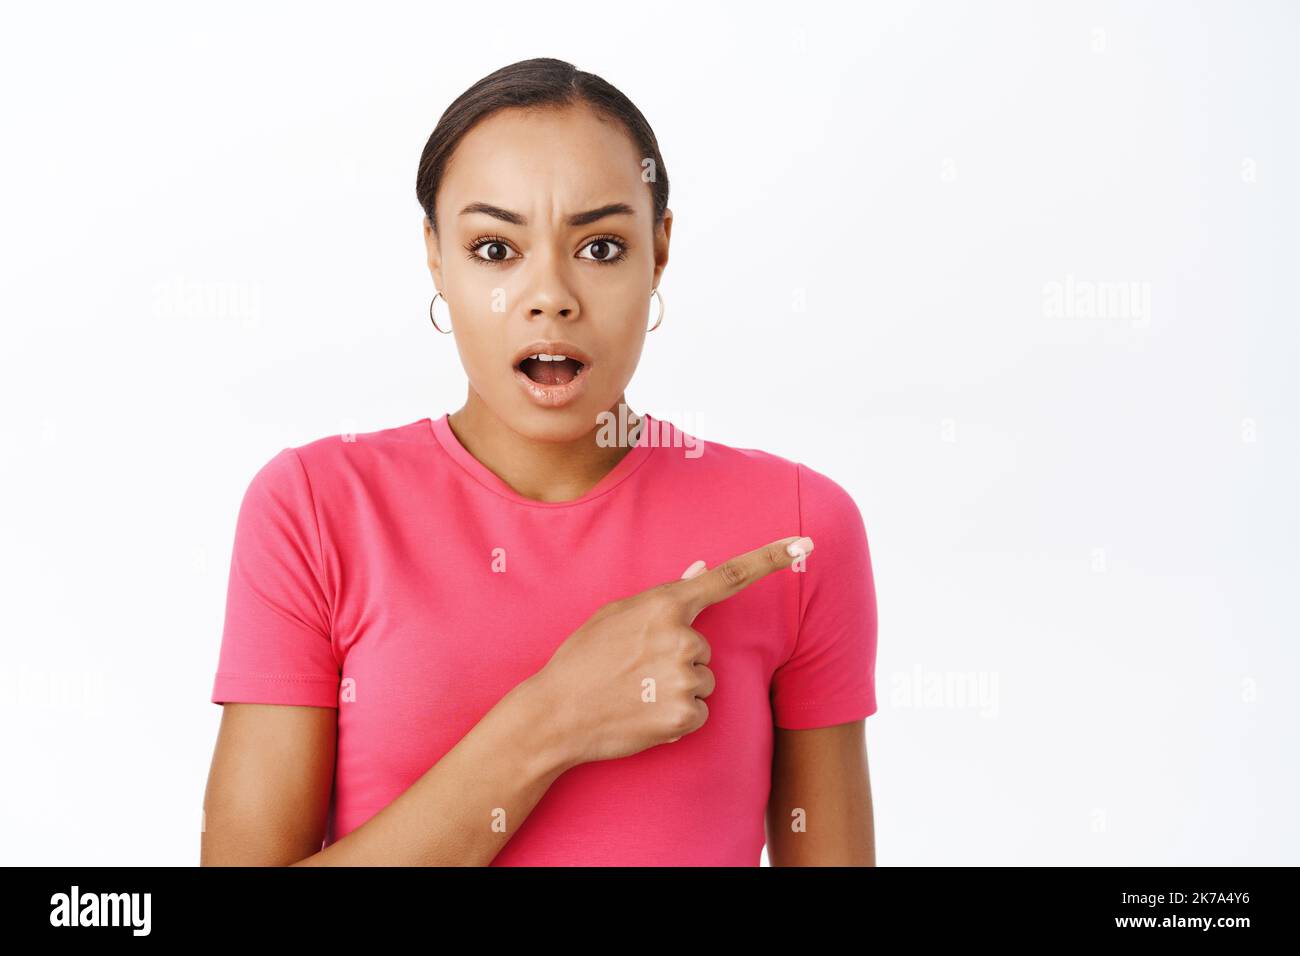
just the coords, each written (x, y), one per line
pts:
(546, 369)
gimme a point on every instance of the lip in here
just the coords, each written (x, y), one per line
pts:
(552, 396)
(551, 347)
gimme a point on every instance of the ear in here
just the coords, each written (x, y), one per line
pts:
(663, 232)
(433, 253)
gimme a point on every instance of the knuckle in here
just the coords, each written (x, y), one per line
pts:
(682, 721)
(703, 649)
(661, 602)
(733, 573)
(708, 683)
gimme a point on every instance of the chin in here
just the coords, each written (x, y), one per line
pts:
(555, 424)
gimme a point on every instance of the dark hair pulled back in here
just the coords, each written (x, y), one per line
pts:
(542, 82)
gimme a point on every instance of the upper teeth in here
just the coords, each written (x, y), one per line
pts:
(545, 357)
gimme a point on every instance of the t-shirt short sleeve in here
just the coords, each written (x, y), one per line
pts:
(829, 677)
(276, 646)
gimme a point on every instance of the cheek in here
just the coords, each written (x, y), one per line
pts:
(473, 291)
(622, 349)
(478, 354)
(474, 324)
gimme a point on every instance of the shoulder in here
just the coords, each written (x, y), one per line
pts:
(823, 498)
(352, 451)
(327, 459)
(330, 449)
(715, 461)
(762, 474)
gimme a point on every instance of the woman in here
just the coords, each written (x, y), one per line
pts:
(470, 640)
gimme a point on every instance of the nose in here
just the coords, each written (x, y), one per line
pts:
(542, 311)
(549, 292)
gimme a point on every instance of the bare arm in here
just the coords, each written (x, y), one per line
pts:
(823, 773)
(269, 790)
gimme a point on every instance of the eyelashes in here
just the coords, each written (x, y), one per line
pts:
(473, 247)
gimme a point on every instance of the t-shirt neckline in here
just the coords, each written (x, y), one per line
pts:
(630, 462)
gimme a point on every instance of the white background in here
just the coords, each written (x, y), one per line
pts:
(211, 250)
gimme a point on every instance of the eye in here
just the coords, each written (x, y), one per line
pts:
(497, 249)
(605, 249)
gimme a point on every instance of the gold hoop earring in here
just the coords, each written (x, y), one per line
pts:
(431, 318)
(655, 292)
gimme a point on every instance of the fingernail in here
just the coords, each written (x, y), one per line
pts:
(797, 549)
(696, 568)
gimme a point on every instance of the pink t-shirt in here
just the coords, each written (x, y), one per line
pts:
(393, 576)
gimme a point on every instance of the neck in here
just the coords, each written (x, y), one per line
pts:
(547, 471)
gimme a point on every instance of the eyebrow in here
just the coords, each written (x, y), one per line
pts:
(577, 219)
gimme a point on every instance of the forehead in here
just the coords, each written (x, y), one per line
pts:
(535, 161)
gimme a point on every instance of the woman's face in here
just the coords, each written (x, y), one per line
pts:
(546, 234)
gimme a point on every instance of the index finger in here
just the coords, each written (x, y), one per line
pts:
(732, 576)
